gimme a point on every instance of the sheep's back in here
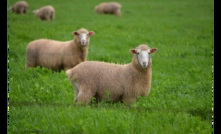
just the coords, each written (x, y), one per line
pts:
(45, 44)
(45, 10)
(46, 53)
(98, 69)
(44, 48)
(112, 6)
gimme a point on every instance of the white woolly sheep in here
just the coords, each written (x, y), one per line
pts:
(123, 83)
(109, 8)
(45, 13)
(58, 55)
(20, 7)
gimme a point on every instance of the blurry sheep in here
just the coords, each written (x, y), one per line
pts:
(109, 8)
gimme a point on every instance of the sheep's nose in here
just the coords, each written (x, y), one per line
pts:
(83, 42)
(144, 64)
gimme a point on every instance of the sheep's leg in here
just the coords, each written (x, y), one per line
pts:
(76, 94)
(47, 17)
(129, 100)
(83, 97)
(117, 12)
(51, 16)
(76, 91)
(30, 64)
(31, 57)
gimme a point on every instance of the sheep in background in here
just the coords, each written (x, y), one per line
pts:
(59, 55)
(109, 8)
(45, 13)
(20, 7)
(123, 83)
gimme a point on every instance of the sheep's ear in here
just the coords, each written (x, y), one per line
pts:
(133, 51)
(91, 33)
(75, 33)
(153, 50)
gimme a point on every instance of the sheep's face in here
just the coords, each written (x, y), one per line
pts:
(83, 37)
(143, 56)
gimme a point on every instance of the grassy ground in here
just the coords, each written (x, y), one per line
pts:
(180, 101)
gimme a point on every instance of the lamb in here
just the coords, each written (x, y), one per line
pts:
(123, 83)
(20, 7)
(109, 8)
(58, 55)
(45, 13)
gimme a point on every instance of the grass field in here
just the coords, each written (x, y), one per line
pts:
(180, 101)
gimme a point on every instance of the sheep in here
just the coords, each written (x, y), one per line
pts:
(113, 82)
(45, 13)
(20, 7)
(58, 55)
(109, 8)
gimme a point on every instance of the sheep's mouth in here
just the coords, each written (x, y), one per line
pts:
(144, 67)
(83, 43)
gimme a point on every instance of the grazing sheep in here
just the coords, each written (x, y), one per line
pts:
(20, 7)
(109, 8)
(45, 13)
(58, 55)
(123, 83)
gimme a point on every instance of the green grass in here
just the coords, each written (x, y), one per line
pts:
(180, 101)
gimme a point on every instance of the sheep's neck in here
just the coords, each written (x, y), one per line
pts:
(82, 51)
(143, 75)
(141, 71)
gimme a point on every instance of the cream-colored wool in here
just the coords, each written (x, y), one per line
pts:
(45, 12)
(20, 7)
(58, 55)
(124, 83)
(109, 8)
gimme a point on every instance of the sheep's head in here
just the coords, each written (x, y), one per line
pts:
(83, 36)
(142, 54)
(35, 11)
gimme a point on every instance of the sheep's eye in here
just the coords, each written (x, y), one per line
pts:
(138, 53)
(149, 53)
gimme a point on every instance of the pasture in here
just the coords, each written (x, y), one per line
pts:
(180, 100)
